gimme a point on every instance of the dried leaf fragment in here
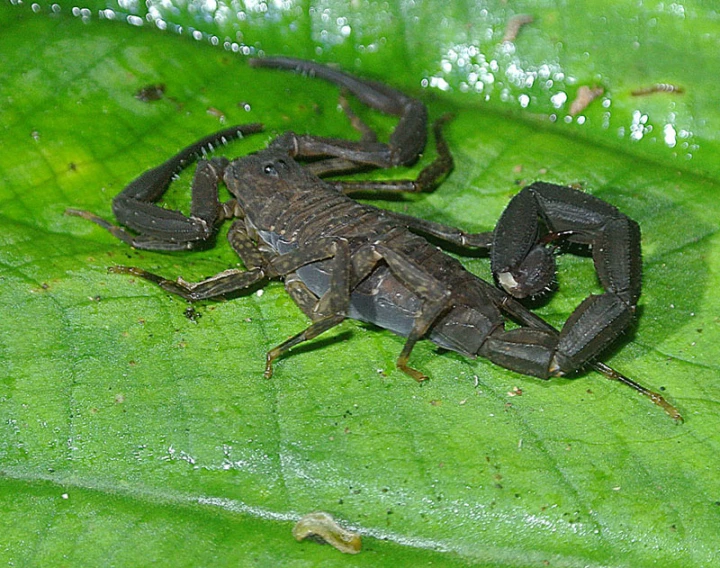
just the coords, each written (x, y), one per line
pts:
(658, 88)
(584, 97)
(321, 526)
(514, 24)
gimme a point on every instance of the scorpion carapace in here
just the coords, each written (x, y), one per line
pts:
(342, 259)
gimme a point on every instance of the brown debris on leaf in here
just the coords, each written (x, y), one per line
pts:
(322, 527)
(584, 97)
(514, 24)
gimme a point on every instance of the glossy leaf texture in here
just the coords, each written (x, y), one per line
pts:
(136, 430)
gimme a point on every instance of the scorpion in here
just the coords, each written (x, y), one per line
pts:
(340, 258)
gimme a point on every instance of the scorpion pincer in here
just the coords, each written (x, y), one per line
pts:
(343, 259)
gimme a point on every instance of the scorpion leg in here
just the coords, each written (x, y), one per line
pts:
(226, 282)
(260, 267)
(406, 141)
(247, 250)
(436, 298)
(337, 166)
(163, 229)
(522, 265)
(221, 284)
(428, 179)
(446, 233)
(331, 309)
(368, 135)
(347, 273)
(301, 295)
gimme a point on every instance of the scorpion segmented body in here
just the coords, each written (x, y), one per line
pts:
(342, 259)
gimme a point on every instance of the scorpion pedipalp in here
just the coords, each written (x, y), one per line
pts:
(406, 141)
(163, 229)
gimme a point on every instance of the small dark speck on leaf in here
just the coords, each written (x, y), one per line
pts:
(150, 93)
(191, 314)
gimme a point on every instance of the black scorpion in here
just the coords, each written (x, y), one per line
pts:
(342, 259)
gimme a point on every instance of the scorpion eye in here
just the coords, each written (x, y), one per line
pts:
(270, 170)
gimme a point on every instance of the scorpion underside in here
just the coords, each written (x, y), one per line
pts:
(342, 259)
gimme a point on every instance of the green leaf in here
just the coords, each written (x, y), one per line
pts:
(133, 434)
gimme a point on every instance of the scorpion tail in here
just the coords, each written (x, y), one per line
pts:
(524, 350)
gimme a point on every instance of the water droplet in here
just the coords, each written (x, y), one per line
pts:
(669, 135)
(559, 99)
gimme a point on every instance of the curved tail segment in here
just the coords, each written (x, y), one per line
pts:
(523, 265)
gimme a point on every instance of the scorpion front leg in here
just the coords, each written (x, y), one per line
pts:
(163, 229)
(222, 284)
(523, 264)
(428, 179)
(327, 311)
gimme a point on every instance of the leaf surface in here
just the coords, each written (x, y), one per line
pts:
(131, 433)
